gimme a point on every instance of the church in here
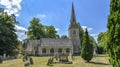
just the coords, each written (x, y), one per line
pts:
(50, 46)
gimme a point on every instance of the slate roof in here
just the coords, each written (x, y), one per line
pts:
(49, 42)
(56, 42)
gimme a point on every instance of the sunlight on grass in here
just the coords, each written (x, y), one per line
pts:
(98, 61)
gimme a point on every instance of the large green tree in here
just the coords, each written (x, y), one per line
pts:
(87, 48)
(8, 37)
(50, 32)
(36, 29)
(113, 33)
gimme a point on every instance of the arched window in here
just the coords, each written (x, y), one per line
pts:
(51, 50)
(59, 50)
(43, 50)
(67, 50)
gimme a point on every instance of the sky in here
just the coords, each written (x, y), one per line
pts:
(91, 14)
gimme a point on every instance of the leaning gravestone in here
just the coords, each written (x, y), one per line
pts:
(31, 61)
(1, 59)
(48, 62)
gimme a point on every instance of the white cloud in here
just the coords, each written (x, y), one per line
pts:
(20, 28)
(11, 6)
(95, 36)
(57, 29)
(20, 31)
(88, 28)
(41, 16)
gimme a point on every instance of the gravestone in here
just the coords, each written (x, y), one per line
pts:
(25, 57)
(51, 61)
(48, 62)
(63, 57)
(1, 59)
(56, 56)
(31, 61)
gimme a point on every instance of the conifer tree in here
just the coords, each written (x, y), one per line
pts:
(87, 48)
(113, 33)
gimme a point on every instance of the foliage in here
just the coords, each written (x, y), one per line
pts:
(8, 37)
(50, 32)
(81, 32)
(87, 47)
(113, 33)
(37, 31)
(102, 41)
(100, 50)
(92, 41)
(64, 37)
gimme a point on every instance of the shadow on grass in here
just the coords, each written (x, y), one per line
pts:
(50, 65)
(98, 63)
(62, 62)
(100, 55)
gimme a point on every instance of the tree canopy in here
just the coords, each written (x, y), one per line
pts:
(113, 33)
(37, 30)
(87, 47)
(8, 37)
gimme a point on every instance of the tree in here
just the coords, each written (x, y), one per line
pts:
(8, 37)
(87, 47)
(64, 37)
(113, 33)
(50, 32)
(102, 41)
(36, 29)
(81, 32)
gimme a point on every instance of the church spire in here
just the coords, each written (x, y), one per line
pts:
(73, 18)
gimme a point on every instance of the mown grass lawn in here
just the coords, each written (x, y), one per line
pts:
(97, 61)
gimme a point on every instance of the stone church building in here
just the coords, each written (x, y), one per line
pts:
(49, 46)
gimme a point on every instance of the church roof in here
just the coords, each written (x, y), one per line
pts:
(56, 42)
(49, 42)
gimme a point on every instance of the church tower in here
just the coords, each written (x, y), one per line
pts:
(73, 33)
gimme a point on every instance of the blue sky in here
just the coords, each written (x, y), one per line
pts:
(92, 14)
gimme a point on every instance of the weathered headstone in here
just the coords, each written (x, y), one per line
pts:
(56, 56)
(25, 57)
(1, 59)
(63, 57)
(31, 61)
(51, 61)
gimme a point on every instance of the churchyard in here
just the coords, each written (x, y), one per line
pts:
(97, 61)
